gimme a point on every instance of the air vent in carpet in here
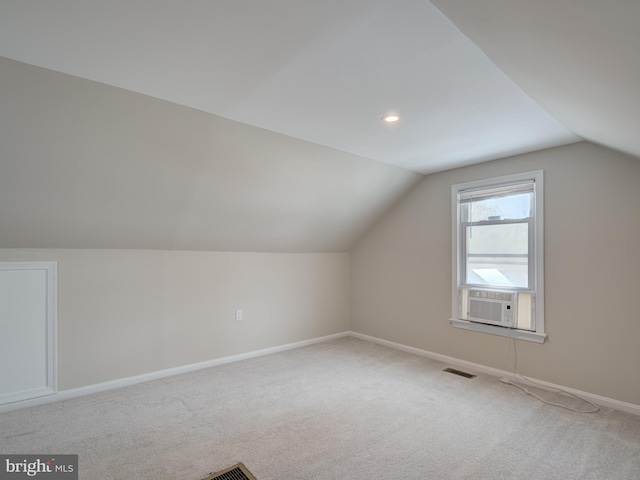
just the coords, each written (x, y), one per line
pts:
(459, 372)
(234, 472)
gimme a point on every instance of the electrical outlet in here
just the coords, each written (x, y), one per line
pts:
(238, 315)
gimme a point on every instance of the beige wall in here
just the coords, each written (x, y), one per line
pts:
(401, 272)
(128, 312)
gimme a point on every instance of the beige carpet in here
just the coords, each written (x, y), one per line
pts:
(345, 409)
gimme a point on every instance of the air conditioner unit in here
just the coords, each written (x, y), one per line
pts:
(490, 306)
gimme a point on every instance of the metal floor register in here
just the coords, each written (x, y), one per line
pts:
(234, 472)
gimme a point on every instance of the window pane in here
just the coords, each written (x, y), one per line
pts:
(497, 255)
(501, 208)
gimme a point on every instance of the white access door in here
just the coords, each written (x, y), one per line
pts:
(27, 330)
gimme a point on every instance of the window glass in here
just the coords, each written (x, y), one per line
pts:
(498, 255)
(504, 207)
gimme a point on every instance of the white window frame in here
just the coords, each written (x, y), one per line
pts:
(537, 277)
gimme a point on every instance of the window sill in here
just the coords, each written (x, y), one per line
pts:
(502, 331)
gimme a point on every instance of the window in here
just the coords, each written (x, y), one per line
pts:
(498, 263)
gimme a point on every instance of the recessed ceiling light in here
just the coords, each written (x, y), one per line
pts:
(390, 118)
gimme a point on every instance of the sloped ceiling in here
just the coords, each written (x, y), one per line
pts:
(87, 165)
(577, 59)
(325, 72)
(248, 125)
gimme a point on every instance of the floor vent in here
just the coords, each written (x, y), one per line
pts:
(234, 472)
(459, 372)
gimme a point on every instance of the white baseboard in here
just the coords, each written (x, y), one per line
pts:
(597, 399)
(475, 367)
(145, 377)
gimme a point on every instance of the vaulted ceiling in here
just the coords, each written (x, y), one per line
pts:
(577, 59)
(249, 125)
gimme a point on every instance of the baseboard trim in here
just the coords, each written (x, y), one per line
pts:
(597, 399)
(145, 377)
(478, 368)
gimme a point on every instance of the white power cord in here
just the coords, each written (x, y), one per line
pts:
(524, 388)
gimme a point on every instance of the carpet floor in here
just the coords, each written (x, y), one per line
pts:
(343, 409)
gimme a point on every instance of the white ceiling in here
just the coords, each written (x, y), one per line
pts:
(326, 71)
(578, 59)
(88, 165)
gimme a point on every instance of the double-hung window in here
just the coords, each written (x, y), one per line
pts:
(498, 262)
